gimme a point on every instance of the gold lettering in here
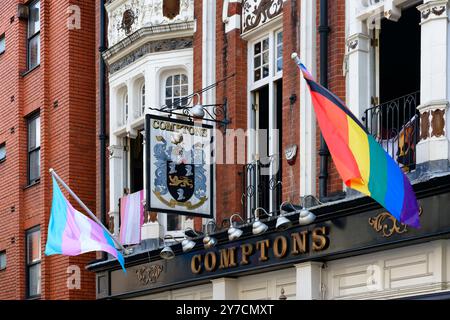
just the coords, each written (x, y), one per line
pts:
(156, 124)
(263, 246)
(210, 261)
(276, 244)
(196, 261)
(320, 240)
(299, 242)
(247, 250)
(227, 258)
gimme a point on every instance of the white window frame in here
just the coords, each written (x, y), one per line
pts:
(253, 85)
(142, 99)
(173, 73)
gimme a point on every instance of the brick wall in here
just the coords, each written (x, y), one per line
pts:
(67, 138)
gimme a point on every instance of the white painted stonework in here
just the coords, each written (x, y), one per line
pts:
(148, 13)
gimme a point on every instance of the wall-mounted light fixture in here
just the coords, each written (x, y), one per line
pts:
(284, 223)
(258, 226)
(167, 252)
(234, 232)
(208, 241)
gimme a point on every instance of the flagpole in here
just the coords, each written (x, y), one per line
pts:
(93, 216)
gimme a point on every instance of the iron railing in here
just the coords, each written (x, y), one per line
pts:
(396, 126)
(261, 186)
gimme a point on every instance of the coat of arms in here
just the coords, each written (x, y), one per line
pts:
(180, 175)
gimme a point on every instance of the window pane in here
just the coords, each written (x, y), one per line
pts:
(34, 246)
(2, 260)
(38, 131)
(184, 79)
(265, 58)
(176, 92)
(31, 134)
(169, 82)
(34, 19)
(169, 102)
(258, 48)
(34, 280)
(34, 49)
(2, 43)
(176, 79)
(168, 92)
(35, 165)
(257, 61)
(2, 152)
(279, 64)
(173, 222)
(257, 74)
(279, 37)
(184, 90)
(265, 44)
(265, 71)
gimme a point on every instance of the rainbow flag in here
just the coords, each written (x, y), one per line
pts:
(361, 162)
(71, 233)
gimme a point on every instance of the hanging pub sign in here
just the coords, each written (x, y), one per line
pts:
(179, 167)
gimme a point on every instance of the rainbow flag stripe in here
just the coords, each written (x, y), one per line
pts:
(71, 233)
(361, 162)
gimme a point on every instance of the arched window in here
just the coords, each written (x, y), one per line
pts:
(176, 90)
(142, 100)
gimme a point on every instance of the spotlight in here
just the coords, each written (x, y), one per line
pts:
(167, 253)
(306, 217)
(234, 232)
(197, 110)
(187, 245)
(258, 226)
(283, 223)
(208, 241)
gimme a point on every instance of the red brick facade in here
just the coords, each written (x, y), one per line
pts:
(63, 90)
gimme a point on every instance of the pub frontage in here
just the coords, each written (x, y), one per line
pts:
(212, 135)
(353, 250)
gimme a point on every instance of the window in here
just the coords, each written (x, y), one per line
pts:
(2, 43)
(2, 152)
(34, 149)
(279, 51)
(2, 260)
(174, 222)
(261, 59)
(33, 251)
(142, 104)
(34, 38)
(176, 90)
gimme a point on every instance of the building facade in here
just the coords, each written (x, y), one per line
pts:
(387, 59)
(48, 120)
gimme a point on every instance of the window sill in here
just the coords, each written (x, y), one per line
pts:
(34, 298)
(31, 185)
(25, 73)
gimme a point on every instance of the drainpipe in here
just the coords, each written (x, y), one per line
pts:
(324, 153)
(102, 97)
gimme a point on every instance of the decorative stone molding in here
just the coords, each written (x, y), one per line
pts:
(438, 123)
(151, 47)
(387, 225)
(358, 42)
(128, 16)
(258, 12)
(352, 44)
(425, 125)
(149, 274)
(433, 10)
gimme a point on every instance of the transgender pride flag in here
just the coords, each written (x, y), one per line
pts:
(71, 233)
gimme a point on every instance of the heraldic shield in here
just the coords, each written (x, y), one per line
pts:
(181, 180)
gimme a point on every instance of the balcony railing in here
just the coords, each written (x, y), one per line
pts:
(261, 186)
(396, 126)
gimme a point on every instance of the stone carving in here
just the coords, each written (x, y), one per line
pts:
(438, 10)
(353, 44)
(258, 12)
(437, 123)
(145, 13)
(426, 14)
(128, 19)
(149, 274)
(424, 125)
(150, 47)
